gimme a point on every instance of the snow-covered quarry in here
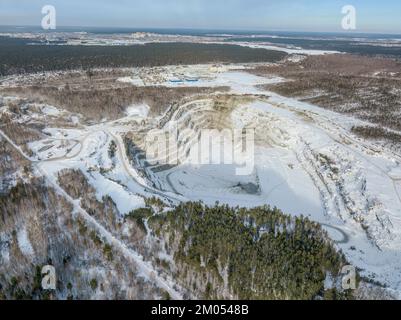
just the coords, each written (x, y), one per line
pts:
(305, 161)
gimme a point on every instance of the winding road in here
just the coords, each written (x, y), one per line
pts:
(345, 236)
(131, 255)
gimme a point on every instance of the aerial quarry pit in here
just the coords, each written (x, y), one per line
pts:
(306, 160)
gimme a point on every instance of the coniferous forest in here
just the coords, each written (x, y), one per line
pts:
(257, 253)
(17, 57)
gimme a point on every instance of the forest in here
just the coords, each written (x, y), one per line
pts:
(258, 253)
(17, 57)
(365, 87)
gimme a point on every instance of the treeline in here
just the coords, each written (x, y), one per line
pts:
(365, 87)
(17, 57)
(371, 132)
(110, 103)
(257, 253)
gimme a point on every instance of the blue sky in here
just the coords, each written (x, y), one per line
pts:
(300, 15)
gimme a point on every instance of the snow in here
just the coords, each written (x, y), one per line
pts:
(133, 80)
(306, 162)
(140, 111)
(50, 110)
(145, 269)
(125, 200)
(288, 50)
(24, 243)
(296, 58)
(74, 120)
(207, 76)
(48, 149)
(94, 156)
(356, 198)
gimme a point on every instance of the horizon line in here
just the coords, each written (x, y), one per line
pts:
(211, 29)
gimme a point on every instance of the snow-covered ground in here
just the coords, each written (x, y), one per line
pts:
(94, 162)
(197, 76)
(140, 111)
(306, 162)
(289, 50)
(310, 164)
(24, 243)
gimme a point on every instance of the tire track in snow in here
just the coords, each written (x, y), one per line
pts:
(345, 236)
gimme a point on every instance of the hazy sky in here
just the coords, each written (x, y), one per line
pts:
(301, 15)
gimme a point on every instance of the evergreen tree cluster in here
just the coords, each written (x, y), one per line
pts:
(268, 254)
